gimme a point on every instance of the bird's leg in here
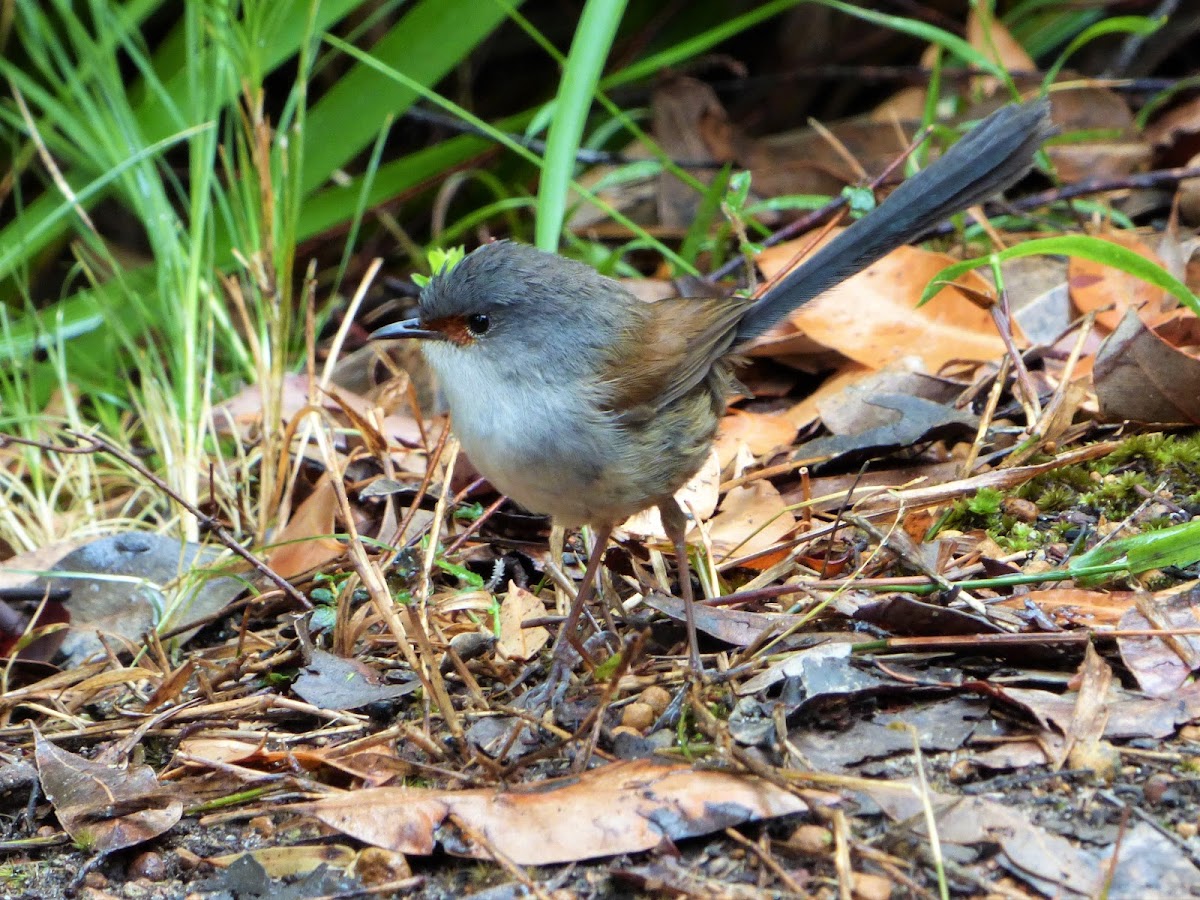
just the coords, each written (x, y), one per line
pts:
(586, 589)
(675, 524)
(557, 542)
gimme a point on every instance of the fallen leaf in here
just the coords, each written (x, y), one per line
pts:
(101, 805)
(873, 318)
(688, 122)
(941, 726)
(753, 518)
(996, 43)
(1179, 125)
(288, 862)
(1141, 377)
(1159, 663)
(1048, 860)
(738, 627)
(249, 760)
(334, 682)
(913, 420)
(624, 807)
(517, 642)
(306, 543)
(1116, 150)
(1091, 711)
(1152, 865)
(1130, 715)
(1075, 606)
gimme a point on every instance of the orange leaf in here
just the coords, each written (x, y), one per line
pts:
(874, 320)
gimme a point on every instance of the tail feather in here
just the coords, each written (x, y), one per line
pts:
(990, 158)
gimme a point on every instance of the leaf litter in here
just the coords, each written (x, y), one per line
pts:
(1000, 601)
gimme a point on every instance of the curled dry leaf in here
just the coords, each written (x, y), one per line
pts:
(1047, 860)
(305, 544)
(873, 318)
(996, 43)
(1141, 374)
(752, 519)
(517, 642)
(1075, 607)
(1117, 148)
(738, 627)
(1083, 735)
(249, 760)
(335, 682)
(620, 808)
(104, 806)
(1162, 665)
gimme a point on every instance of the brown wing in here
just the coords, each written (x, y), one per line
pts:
(681, 340)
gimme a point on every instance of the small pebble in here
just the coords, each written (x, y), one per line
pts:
(95, 880)
(962, 772)
(872, 887)
(657, 698)
(1099, 757)
(1156, 787)
(148, 865)
(1186, 829)
(663, 739)
(625, 729)
(263, 825)
(638, 716)
(812, 840)
(1019, 509)
(374, 865)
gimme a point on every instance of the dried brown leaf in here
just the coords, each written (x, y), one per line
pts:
(104, 806)
(619, 808)
(1142, 376)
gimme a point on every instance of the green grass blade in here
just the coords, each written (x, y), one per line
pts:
(341, 124)
(1083, 247)
(1178, 545)
(926, 32)
(589, 50)
(1138, 25)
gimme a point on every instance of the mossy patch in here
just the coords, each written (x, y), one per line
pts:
(1108, 489)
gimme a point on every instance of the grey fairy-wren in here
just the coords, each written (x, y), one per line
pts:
(578, 400)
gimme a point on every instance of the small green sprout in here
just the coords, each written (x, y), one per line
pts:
(439, 261)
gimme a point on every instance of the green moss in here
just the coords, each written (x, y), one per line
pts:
(1017, 536)
(1111, 488)
(17, 875)
(1055, 498)
(1117, 496)
(986, 502)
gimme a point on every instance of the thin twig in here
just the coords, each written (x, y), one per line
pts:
(95, 443)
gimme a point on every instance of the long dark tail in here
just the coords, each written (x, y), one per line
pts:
(984, 162)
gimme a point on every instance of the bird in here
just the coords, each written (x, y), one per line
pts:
(579, 400)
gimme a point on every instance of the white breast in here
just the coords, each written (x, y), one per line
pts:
(537, 442)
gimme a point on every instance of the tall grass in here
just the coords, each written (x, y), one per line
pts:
(218, 130)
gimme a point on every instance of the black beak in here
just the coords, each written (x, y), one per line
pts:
(409, 328)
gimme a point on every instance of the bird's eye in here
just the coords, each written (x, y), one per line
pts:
(478, 324)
